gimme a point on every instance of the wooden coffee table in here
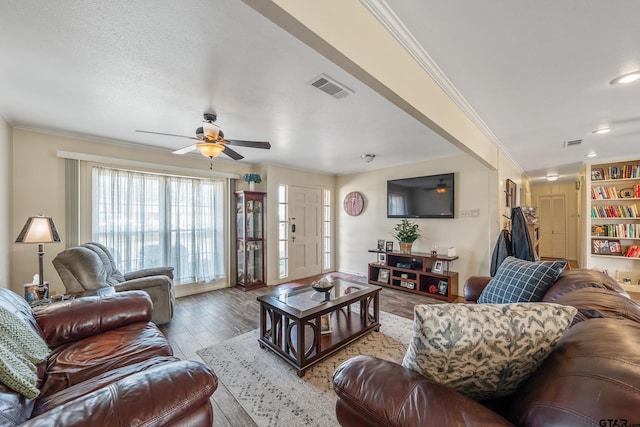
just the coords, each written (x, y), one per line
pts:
(303, 326)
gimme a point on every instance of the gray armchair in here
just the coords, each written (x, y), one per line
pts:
(90, 267)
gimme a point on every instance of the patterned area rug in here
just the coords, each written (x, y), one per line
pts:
(269, 389)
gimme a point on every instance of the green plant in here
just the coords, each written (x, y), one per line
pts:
(252, 177)
(406, 232)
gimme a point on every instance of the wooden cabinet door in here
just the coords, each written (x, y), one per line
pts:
(553, 226)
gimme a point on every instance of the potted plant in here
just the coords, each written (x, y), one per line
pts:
(406, 233)
(252, 178)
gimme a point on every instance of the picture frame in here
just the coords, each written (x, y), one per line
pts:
(606, 247)
(510, 190)
(437, 266)
(389, 246)
(597, 174)
(381, 243)
(383, 275)
(325, 324)
(442, 287)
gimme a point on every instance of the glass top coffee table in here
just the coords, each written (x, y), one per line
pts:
(303, 326)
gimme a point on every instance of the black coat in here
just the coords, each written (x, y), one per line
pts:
(521, 246)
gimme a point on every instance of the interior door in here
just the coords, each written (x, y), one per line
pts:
(305, 222)
(553, 226)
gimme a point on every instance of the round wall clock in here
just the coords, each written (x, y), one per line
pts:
(353, 203)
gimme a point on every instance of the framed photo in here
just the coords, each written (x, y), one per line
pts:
(597, 174)
(381, 244)
(442, 287)
(606, 247)
(389, 246)
(510, 190)
(325, 324)
(437, 266)
(383, 275)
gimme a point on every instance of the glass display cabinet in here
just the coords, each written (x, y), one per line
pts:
(250, 240)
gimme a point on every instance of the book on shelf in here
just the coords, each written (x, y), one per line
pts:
(622, 172)
(614, 211)
(633, 252)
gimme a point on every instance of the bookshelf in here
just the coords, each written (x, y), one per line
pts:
(613, 217)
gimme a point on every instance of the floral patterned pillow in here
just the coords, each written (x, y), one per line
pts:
(484, 350)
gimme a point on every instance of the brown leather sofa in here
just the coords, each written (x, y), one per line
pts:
(109, 366)
(591, 378)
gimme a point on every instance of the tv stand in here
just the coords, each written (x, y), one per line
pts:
(413, 272)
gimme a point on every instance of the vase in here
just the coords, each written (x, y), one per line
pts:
(252, 186)
(405, 248)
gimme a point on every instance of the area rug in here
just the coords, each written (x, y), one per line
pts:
(269, 389)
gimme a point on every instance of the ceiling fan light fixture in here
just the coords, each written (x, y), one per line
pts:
(209, 149)
(211, 131)
(626, 78)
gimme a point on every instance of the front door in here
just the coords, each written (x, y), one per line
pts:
(305, 222)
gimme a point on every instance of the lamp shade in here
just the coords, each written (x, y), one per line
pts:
(210, 149)
(38, 229)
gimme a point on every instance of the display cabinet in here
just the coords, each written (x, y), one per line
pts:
(250, 240)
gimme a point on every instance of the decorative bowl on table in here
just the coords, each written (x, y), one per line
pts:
(322, 286)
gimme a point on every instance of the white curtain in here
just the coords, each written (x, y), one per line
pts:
(149, 220)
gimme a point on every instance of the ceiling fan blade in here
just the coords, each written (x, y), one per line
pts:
(185, 150)
(231, 153)
(251, 144)
(167, 134)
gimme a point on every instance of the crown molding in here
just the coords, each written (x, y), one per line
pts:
(388, 18)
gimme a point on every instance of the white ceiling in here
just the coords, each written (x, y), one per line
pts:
(535, 72)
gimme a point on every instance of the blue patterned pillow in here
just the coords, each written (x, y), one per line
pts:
(521, 281)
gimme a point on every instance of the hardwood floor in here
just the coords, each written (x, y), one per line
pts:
(206, 319)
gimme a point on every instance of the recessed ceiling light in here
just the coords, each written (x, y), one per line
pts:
(602, 130)
(626, 78)
(552, 176)
(591, 154)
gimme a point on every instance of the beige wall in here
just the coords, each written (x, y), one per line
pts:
(7, 236)
(39, 186)
(572, 210)
(470, 235)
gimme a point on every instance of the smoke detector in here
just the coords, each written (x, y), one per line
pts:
(331, 87)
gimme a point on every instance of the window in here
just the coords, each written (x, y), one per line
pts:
(283, 231)
(326, 229)
(150, 220)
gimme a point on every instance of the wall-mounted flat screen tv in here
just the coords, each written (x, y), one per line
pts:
(421, 197)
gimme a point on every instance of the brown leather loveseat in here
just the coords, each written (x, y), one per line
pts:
(109, 366)
(592, 377)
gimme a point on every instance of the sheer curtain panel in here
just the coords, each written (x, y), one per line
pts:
(150, 220)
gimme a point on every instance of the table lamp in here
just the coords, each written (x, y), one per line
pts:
(39, 229)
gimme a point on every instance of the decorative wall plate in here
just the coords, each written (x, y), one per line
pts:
(353, 203)
(626, 193)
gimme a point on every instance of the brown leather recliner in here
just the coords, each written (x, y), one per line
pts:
(591, 378)
(90, 267)
(109, 366)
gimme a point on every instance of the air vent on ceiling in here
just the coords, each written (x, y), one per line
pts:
(572, 143)
(330, 86)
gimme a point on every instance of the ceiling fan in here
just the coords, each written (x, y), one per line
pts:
(441, 187)
(212, 141)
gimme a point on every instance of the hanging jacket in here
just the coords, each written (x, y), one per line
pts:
(501, 250)
(521, 246)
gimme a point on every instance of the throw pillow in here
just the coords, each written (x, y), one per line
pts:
(20, 349)
(518, 280)
(484, 351)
